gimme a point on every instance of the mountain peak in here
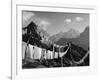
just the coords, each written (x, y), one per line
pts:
(72, 33)
(82, 40)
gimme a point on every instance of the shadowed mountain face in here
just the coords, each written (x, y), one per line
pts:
(84, 39)
(74, 37)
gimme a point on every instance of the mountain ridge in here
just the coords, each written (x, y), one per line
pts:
(81, 39)
(72, 33)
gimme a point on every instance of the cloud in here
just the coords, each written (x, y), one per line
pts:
(27, 15)
(79, 19)
(43, 24)
(68, 20)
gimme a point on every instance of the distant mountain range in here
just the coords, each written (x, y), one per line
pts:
(73, 36)
(72, 33)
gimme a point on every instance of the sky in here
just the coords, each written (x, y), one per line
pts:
(55, 22)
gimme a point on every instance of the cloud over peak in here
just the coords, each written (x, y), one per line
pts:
(27, 15)
(43, 24)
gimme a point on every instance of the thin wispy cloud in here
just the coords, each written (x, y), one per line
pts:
(79, 19)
